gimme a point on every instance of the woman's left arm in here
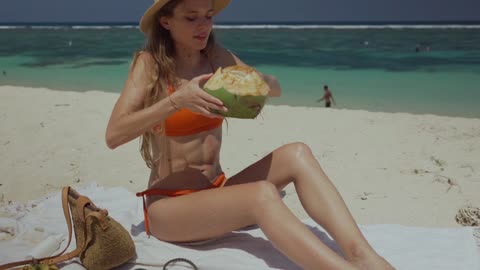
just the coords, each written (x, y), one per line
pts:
(227, 58)
(275, 90)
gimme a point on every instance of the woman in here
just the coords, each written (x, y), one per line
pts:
(163, 102)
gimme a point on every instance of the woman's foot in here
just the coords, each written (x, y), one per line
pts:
(371, 262)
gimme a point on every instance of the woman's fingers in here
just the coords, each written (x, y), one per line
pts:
(211, 99)
(200, 80)
(208, 113)
(213, 106)
(201, 101)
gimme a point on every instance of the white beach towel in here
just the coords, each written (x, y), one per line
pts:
(23, 226)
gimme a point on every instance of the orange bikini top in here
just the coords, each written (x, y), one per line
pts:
(185, 122)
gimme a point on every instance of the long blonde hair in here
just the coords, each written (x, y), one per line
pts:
(161, 47)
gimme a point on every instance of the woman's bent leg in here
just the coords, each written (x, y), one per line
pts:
(212, 213)
(296, 163)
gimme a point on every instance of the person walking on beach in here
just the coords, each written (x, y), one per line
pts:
(327, 96)
(189, 198)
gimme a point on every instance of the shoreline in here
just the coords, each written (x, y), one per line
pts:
(267, 104)
(389, 167)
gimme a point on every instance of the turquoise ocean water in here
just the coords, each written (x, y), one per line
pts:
(373, 67)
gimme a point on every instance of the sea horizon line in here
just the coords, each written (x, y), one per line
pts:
(406, 22)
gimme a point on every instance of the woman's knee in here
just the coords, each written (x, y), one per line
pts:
(264, 196)
(295, 152)
(264, 192)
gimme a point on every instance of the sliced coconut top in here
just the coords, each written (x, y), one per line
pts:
(238, 80)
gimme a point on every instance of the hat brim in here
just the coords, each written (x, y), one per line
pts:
(148, 18)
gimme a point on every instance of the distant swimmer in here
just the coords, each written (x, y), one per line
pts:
(4, 73)
(69, 43)
(328, 97)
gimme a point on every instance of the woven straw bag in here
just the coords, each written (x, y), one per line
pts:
(106, 244)
(102, 243)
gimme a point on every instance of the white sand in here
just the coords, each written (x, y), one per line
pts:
(390, 168)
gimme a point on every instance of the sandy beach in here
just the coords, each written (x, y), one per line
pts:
(390, 167)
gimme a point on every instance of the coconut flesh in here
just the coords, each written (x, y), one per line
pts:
(241, 89)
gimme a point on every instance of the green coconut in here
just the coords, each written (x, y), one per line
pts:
(241, 89)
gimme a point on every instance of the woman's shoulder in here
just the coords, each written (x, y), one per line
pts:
(222, 57)
(143, 57)
(143, 65)
(143, 68)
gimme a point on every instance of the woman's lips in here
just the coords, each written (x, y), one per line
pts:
(201, 37)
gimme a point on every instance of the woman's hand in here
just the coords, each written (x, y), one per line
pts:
(275, 90)
(192, 97)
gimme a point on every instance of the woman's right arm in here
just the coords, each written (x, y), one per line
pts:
(129, 119)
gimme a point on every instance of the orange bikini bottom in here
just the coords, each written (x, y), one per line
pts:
(219, 182)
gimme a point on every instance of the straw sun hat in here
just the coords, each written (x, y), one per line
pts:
(149, 16)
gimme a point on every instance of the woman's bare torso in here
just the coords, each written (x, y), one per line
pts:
(193, 161)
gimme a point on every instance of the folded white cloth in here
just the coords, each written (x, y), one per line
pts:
(405, 247)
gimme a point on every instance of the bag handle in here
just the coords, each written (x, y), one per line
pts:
(59, 257)
(82, 202)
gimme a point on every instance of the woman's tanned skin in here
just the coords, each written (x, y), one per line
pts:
(252, 195)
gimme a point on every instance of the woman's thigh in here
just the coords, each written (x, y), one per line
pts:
(209, 213)
(277, 167)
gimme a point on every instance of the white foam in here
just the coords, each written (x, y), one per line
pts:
(261, 26)
(366, 26)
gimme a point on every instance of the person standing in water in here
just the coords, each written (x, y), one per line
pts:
(328, 97)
